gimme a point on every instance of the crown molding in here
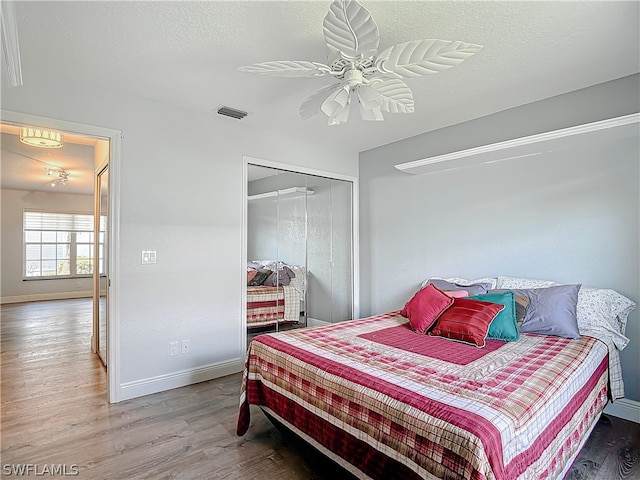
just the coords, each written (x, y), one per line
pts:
(604, 130)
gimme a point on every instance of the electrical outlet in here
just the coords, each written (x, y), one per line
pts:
(174, 348)
(186, 346)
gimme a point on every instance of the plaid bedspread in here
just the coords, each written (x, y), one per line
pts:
(270, 305)
(399, 405)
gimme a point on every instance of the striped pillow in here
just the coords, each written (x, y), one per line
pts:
(467, 321)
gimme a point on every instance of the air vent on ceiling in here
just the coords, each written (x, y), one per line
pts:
(231, 112)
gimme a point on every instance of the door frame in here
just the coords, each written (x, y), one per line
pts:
(113, 299)
(355, 253)
(97, 210)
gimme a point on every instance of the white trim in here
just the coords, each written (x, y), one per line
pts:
(286, 192)
(182, 378)
(243, 254)
(114, 136)
(10, 43)
(113, 260)
(297, 169)
(37, 297)
(613, 128)
(624, 408)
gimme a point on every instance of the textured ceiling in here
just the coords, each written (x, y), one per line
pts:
(186, 53)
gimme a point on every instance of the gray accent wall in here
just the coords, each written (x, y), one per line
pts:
(571, 216)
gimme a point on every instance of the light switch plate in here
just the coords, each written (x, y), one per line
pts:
(148, 257)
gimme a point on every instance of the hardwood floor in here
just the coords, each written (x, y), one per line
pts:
(55, 412)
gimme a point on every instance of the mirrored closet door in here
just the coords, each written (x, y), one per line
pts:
(299, 236)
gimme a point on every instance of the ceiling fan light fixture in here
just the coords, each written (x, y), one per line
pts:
(40, 137)
(336, 102)
(352, 38)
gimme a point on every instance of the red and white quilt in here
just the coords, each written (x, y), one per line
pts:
(389, 403)
(267, 306)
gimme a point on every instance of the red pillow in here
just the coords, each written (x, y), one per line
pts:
(467, 321)
(425, 307)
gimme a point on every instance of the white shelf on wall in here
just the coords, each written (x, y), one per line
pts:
(579, 136)
(286, 192)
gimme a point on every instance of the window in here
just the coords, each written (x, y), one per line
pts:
(60, 245)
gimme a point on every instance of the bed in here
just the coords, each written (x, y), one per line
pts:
(268, 306)
(275, 293)
(388, 403)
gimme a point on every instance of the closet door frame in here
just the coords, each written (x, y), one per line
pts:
(355, 247)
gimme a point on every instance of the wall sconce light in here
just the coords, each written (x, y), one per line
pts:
(39, 137)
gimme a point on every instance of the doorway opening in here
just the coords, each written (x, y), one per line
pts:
(54, 258)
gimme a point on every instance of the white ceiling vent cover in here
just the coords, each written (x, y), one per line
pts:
(231, 112)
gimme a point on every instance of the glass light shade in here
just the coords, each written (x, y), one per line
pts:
(39, 137)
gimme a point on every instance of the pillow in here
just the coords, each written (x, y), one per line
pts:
(513, 282)
(522, 303)
(606, 311)
(552, 311)
(251, 273)
(505, 325)
(260, 277)
(463, 282)
(425, 307)
(280, 278)
(466, 321)
(445, 286)
(457, 293)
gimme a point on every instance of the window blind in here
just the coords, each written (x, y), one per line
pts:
(60, 222)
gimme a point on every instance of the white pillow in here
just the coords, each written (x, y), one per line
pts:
(604, 310)
(464, 281)
(514, 282)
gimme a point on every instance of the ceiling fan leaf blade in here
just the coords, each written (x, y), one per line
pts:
(313, 103)
(350, 31)
(396, 96)
(424, 57)
(287, 68)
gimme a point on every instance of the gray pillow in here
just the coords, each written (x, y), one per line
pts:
(551, 311)
(474, 289)
(280, 278)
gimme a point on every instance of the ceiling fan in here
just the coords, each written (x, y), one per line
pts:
(367, 79)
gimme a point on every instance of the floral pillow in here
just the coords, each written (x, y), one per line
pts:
(606, 311)
(515, 282)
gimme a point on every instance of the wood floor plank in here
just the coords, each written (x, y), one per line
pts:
(54, 410)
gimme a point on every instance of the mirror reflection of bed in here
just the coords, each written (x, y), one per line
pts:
(299, 250)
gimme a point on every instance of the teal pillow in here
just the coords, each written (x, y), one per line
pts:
(505, 325)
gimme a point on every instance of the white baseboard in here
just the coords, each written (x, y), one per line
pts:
(160, 383)
(624, 408)
(314, 322)
(36, 297)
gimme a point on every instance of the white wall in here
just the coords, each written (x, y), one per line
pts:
(570, 216)
(13, 288)
(180, 194)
